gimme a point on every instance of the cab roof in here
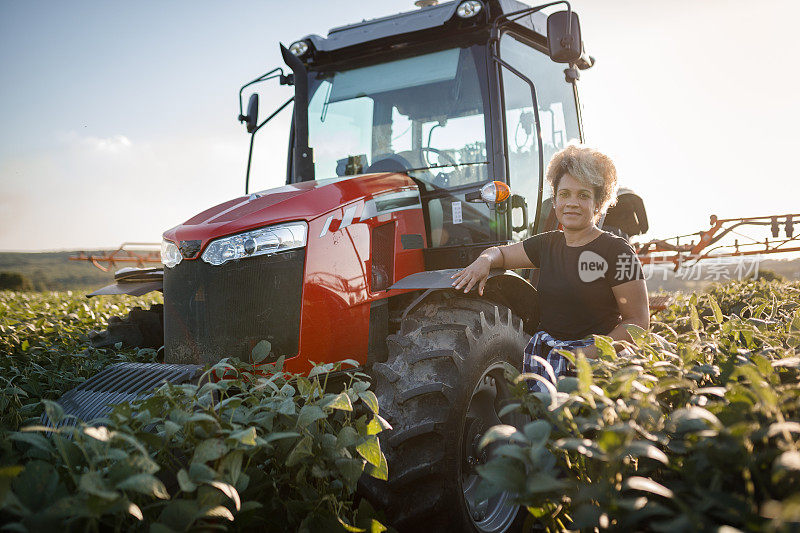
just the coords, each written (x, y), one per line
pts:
(421, 19)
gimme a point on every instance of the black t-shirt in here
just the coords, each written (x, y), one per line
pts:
(575, 296)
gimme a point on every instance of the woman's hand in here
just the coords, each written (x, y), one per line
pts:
(476, 273)
(509, 256)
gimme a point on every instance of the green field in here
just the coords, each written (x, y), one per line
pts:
(697, 429)
(53, 271)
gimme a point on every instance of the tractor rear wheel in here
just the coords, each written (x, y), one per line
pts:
(441, 389)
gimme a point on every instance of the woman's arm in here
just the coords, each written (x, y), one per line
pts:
(510, 256)
(633, 306)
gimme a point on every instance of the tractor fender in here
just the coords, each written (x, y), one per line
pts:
(504, 287)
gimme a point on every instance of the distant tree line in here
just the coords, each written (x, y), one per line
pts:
(14, 281)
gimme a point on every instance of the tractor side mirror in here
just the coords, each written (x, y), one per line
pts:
(564, 37)
(251, 119)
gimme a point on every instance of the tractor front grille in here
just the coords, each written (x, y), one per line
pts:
(212, 312)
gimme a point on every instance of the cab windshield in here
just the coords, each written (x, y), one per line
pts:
(423, 115)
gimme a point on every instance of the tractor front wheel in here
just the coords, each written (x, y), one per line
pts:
(442, 388)
(140, 328)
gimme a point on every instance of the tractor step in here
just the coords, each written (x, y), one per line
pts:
(119, 383)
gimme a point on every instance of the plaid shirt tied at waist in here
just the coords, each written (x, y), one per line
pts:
(541, 358)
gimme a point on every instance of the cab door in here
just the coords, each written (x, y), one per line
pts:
(554, 118)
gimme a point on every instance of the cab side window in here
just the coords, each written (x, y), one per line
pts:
(558, 117)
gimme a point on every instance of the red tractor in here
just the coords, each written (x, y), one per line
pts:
(407, 133)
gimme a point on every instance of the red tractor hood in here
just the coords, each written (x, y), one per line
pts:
(300, 201)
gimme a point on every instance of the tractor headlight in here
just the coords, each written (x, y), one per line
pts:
(170, 254)
(468, 9)
(298, 48)
(262, 241)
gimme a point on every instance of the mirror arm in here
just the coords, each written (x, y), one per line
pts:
(506, 18)
(252, 139)
(264, 77)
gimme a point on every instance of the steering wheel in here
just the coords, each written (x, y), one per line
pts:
(440, 179)
(440, 153)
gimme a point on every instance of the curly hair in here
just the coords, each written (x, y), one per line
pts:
(590, 167)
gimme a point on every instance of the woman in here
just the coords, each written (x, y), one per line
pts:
(590, 280)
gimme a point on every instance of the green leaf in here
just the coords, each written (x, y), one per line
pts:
(381, 471)
(281, 435)
(347, 437)
(7, 475)
(231, 466)
(310, 414)
(645, 449)
(220, 511)
(92, 483)
(508, 409)
(585, 379)
(567, 384)
(691, 419)
(54, 411)
(537, 431)
(377, 424)
(177, 515)
(541, 482)
(209, 450)
(145, 484)
(135, 511)
(320, 369)
(370, 449)
(647, 485)
(350, 468)
(502, 432)
(184, 482)
(201, 473)
(261, 351)
(604, 346)
(638, 334)
(348, 527)
(779, 428)
(504, 473)
(718, 317)
(34, 439)
(341, 402)
(694, 318)
(171, 428)
(244, 436)
(582, 446)
(369, 398)
(230, 491)
(300, 451)
(37, 479)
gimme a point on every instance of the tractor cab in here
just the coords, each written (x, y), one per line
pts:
(456, 96)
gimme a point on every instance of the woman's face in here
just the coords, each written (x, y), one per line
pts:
(574, 203)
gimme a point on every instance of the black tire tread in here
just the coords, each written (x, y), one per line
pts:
(140, 328)
(417, 388)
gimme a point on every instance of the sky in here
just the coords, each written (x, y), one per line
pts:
(119, 118)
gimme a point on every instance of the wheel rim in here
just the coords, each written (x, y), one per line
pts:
(498, 512)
